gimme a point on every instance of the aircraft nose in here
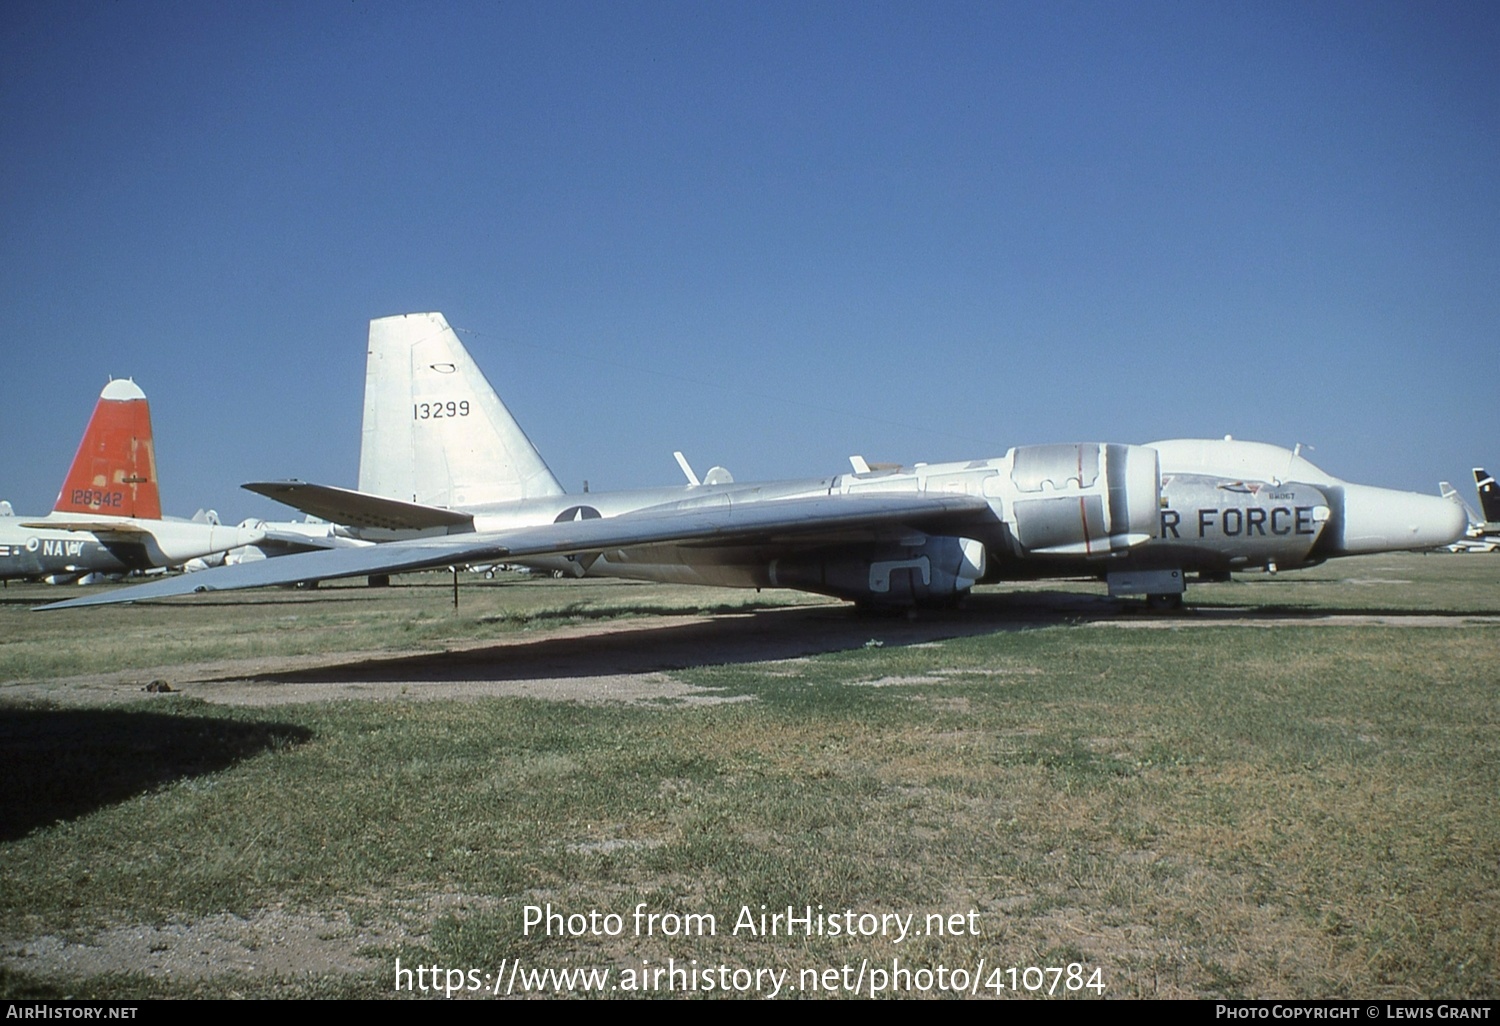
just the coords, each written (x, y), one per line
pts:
(1383, 520)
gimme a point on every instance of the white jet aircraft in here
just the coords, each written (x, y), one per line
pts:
(450, 478)
(107, 518)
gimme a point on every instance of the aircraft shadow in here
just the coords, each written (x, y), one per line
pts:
(61, 764)
(726, 639)
(761, 635)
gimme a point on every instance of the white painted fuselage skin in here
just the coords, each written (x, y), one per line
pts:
(45, 547)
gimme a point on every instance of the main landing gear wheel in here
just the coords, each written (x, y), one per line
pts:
(1164, 603)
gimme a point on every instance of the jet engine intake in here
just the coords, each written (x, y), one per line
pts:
(934, 571)
(1083, 500)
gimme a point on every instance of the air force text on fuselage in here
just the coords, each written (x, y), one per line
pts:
(1237, 522)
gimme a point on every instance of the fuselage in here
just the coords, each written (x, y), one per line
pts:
(1196, 506)
(1139, 517)
(33, 548)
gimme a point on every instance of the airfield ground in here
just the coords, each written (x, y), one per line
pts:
(1289, 790)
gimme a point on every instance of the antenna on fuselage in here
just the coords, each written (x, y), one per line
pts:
(1296, 453)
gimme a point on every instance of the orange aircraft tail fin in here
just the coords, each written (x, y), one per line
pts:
(114, 472)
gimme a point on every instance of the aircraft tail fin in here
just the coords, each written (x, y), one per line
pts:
(435, 432)
(114, 471)
(1489, 495)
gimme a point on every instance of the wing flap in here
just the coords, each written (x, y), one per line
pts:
(732, 524)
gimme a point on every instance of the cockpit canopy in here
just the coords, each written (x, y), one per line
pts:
(1235, 460)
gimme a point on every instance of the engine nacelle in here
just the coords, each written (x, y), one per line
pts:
(1083, 500)
(932, 571)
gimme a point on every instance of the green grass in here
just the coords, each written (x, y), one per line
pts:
(415, 615)
(1200, 811)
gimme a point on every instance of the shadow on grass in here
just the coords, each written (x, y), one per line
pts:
(64, 763)
(740, 636)
(732, 638)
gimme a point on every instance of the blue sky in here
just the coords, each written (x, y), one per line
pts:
(768, 234)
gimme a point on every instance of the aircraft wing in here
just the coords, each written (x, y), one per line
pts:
(728, 524)
(358, 509)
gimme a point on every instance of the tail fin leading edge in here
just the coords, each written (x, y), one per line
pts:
(114, 471)
(435, 432)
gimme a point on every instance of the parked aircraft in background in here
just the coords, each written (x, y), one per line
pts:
(1482, 535)
(463, 456)
(436, 441)
(1489, 498)
(280, 538)
(107, 518)
(1140, 517)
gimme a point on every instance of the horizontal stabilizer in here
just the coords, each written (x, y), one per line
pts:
(360, 509)
(102, 528)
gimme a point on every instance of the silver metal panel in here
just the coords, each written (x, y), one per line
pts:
(1058, 467)
(1053, 523)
